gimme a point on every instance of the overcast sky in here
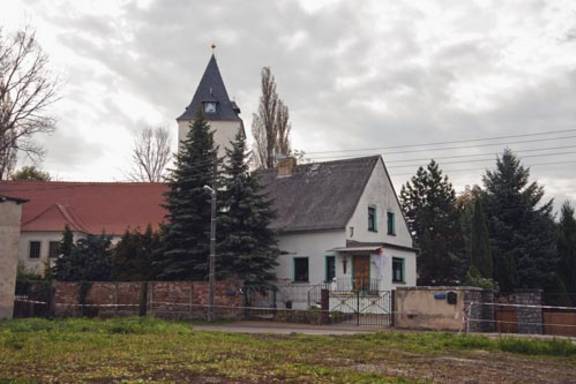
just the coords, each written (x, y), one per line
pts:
(355, 75)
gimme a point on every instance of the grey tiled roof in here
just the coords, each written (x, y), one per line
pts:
(211, 88)
(318, 196)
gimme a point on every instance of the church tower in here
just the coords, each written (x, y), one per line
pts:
(221, 113)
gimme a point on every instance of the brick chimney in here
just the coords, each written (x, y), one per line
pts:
(286, 166)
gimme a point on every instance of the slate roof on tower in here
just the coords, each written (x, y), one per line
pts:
(211, 88)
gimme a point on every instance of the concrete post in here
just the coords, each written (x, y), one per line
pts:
(10, 215)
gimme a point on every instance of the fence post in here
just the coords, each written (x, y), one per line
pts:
(324, 306)
(358, 307)
(143, 302)
(116, 299)
(392, 308)
(51, 300)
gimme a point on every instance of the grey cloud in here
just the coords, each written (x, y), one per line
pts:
(159, 52)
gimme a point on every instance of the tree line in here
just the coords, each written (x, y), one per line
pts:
(179, 250)
(502, 235)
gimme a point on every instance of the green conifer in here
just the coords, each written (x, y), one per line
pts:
(247, 247)
(185, 248)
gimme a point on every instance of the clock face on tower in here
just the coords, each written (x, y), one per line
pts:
(210, 107)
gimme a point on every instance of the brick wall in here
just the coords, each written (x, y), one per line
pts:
(167, 299)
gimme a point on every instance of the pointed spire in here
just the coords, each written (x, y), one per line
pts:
(212, 90)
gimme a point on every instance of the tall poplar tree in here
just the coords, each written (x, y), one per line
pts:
(480, 251)
(186, 239)
(429, 203)
(521, 227)
(247, 247)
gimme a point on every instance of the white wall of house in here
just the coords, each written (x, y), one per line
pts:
(38, 265)
(224, 132)
(379, 193)
(314, 245)
(409, 259)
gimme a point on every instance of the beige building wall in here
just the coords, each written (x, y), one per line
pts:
(224, 133)
(428, 308)
(10, 215)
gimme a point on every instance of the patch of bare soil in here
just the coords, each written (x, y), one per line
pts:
(475, 368)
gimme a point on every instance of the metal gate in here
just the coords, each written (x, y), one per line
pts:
(361, 308)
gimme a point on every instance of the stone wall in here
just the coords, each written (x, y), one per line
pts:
(166, 299)
(481, 317)
(10, 214)
(530, 319)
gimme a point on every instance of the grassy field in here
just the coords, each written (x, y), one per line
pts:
(152, 351)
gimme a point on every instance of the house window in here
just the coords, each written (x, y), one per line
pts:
(53, 249)
(34, 251)
(397, 270)
(330, 268)
(300, 269)
(372, 224)
(391, 223)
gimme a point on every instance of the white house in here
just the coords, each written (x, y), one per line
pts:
(339, 222)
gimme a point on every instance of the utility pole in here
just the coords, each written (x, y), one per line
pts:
(212, 258)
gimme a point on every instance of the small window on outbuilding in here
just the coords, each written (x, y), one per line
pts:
(34, 249)
(391, 223)
(53, 249)
(397, 270)
(301, 270)
(372, 220)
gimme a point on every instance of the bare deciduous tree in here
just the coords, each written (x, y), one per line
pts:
(270, 126)
(27, 88)
(151, 154)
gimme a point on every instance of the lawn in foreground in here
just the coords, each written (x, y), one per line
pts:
(137, 350)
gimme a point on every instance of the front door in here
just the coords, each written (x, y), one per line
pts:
(362, 272)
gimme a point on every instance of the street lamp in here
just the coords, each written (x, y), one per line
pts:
(211, 263)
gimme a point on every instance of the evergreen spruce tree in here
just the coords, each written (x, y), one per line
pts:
(133, 256)
(62, 266)
(429, 203)
(567, 250)
(521, 228)
(89, 259)
(247, 247)
(185, 250)
(67, 242)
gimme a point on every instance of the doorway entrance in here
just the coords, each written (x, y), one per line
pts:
(361, 279)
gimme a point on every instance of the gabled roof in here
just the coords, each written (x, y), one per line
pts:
(211, 88)
(318, 196)
(88, 207)
(55, 216)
